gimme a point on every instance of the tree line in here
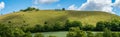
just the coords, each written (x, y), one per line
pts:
(12, 31)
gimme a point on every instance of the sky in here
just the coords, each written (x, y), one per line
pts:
(110, 6)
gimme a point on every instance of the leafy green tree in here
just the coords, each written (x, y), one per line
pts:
(76, 32)
(28, 34)
(58, 26)
(71, 34)
(38, 35)
(88, 27)
(100, 26)
(73, 24)
(107, 33)
(9, 31)
(38, 28)
(63, 9)
(30, 9)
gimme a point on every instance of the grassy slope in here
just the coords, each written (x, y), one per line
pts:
(39, 17)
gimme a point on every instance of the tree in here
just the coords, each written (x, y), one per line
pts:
(30, 9)
(63, 9)
(107, 33)
(38, 28)
(38, 35)
(58, 26)
(73, 24)
(100, 26)
(76, 32)
(9, 31)
(88, 27)
(71, 34)
(28, 34)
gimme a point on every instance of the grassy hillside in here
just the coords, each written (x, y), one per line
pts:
(50, 16)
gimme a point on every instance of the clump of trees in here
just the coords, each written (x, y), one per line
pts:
(63, 9)
(30, 9)
(76, 32)
(8, 31)
(113, 25)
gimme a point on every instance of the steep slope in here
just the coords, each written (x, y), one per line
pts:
(50, 16)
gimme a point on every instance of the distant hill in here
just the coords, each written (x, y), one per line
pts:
(51, 16)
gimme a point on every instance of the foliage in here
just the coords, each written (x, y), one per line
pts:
(63, 9)
(113, 25)
(88, 27)
(38, 35)
(30, 9)
(28, 34)
(8, 31)
(69, 24)
(107, 33)
(76, 32)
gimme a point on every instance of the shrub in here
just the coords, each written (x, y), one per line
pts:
(107, 33)
(76, 32)
(88, 27)
(63, 9)
(38, 35)
(30, 9)
(69, 24)
(28, 34)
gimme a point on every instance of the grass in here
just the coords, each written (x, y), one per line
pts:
(51, 16)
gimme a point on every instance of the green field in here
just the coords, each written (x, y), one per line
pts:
(51, 16)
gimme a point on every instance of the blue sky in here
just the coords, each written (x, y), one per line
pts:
(111, 6)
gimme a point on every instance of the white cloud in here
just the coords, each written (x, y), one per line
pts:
(72, 7)
(2, 5)
(117, 3)
(96, 5)
(45, 1)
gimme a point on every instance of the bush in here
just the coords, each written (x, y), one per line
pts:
(63, 9)
(38, 35)
(100, 26)
(28, 34)
(30, 9)
(38, 28)
(88, 27)
(8, 31)
(69, 24)
(76, 32)
(58, 26)
(107, 33)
